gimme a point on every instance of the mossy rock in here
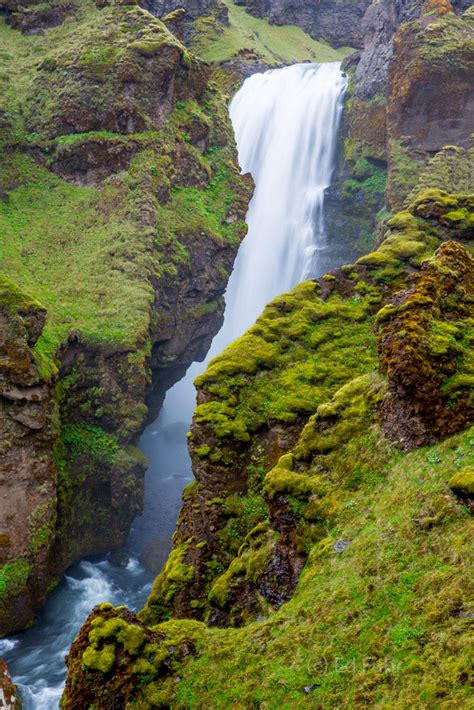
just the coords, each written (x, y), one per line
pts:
(462, 483)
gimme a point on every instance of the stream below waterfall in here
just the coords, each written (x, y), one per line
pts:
(286, 124)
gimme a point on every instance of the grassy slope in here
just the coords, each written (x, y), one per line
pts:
(365, 627)
(272, 44)
(54, 240)
(55, 244)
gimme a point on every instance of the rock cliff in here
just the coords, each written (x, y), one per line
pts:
(339, 22)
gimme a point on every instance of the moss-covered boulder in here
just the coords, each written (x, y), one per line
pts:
(116, 659)
(462, 484)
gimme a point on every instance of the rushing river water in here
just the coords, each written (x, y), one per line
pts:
(286, 123)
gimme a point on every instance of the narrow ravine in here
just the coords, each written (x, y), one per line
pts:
(286, 124)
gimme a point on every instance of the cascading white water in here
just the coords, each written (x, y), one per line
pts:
(286, 124)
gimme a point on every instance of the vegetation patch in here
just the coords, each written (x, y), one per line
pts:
(249, 37)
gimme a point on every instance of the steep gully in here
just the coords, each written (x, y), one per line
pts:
(286, 123)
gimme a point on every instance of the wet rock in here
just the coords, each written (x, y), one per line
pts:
(8, 697)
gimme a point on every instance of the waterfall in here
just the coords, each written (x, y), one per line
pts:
(286, 123)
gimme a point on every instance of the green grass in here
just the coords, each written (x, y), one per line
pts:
(272, 44)
(380, 625)
(77, 262)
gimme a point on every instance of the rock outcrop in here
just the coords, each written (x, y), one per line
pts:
(430, 94)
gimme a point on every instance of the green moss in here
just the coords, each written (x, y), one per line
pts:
(221, 588)
(40, 538)
(289, 349)
(282, 480)
(13, 578)
(190, 490)
(176, 574)
(89, 440)
(450, 170)
(223, 420)
(131, 637)
(99, 660)
(404, 172)
(463, 481)
(250, 563)
(365, 190)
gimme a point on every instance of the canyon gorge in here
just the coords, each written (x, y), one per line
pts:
(236, 353)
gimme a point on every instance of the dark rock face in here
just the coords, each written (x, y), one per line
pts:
(418, 409)
(336, 21)
(430, 98)
(378, 27)
(27, 475)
